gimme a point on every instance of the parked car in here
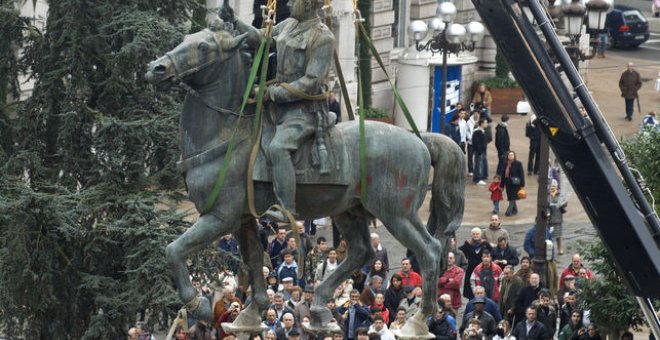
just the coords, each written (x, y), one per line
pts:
(627, 27)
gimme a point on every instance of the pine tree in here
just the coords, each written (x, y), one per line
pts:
(88, 187)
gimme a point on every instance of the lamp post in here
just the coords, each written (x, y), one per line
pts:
(447, 37)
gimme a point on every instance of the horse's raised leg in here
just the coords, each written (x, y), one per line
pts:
(412, 233)
(207, 229)
(358, 253)
(252, 256)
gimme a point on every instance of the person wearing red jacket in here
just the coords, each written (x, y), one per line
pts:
(451, 281)
(574, 269)
(487, 275)
(409, 276)
(496, 193)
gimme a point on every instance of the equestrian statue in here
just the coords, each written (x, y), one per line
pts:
(304, 162)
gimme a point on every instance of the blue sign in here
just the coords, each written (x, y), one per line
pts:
(453, 95)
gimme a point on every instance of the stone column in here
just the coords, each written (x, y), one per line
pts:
(344, 30)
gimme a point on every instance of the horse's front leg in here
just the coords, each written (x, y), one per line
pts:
(207, 229)
(252, 254)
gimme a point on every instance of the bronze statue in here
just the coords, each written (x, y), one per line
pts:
(213, 67)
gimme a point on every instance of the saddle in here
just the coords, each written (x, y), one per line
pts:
(306, 159)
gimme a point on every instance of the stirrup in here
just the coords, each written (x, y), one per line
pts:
(278, 215)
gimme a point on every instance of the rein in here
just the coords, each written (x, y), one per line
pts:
(215, 108)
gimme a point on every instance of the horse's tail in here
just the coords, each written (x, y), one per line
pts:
(448, 188)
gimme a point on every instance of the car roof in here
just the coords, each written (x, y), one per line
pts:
(625, 8)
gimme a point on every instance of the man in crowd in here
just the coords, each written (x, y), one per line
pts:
(410, 302)
(314, 258)
(487, 275)
(409, 276)
(279, 306)
(534, 134)
(442, 325)
(325, 268)
(494, 231)
(369, 292)
(490, 305)
(527, 295)
(222, 305)
(472, 124)
(503, 254)
(511, 286)
(288, 323)
(380, 253)
(379, 327)
(487, 322)
(531, 329)
(629, 83)
(567, 309)
(479, 147)
(276, 246)
(472, 249)
(302, 308)
(271, 321)
(547, 312)
(305, 242)
(569, 287)
(354, 315)
(574, 269)
(502, 142)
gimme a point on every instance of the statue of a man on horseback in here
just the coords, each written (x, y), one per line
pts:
(304, 56)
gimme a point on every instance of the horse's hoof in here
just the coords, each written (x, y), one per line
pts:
(320, 316)
(321, 321)
(203, 310)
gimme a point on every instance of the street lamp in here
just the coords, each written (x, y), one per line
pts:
(597, 12)
(574, 15)
(447, 37)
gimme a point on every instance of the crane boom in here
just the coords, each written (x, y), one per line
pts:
(585, 147)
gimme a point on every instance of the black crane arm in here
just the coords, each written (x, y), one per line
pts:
(585, 146)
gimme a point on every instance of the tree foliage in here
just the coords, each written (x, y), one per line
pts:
(612, 304)
(88, 187)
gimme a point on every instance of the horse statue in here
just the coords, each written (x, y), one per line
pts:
(215, 70)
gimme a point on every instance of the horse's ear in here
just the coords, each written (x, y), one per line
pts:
(228, 45)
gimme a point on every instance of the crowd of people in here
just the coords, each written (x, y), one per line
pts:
(488, 290)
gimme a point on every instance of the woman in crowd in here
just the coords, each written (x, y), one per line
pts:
(556, 209)
(513, 178)
(394, 293)
(377, 269)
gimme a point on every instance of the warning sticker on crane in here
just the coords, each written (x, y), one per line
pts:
(553, 131)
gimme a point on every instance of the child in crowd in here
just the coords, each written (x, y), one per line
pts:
(495, 193)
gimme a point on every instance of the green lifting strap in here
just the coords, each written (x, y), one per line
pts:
(363, 144)
(232, 142)
(399, 100)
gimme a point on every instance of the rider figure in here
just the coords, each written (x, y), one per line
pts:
(305, 47)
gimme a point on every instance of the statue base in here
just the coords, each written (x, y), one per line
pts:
(326, 329)
(243, 332)
(415, 328)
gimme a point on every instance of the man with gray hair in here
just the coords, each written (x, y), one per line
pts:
(369, 293)
(511, 286)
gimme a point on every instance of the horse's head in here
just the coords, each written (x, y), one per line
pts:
(196, 52)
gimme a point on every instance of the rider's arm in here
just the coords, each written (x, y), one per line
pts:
(253, 34)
